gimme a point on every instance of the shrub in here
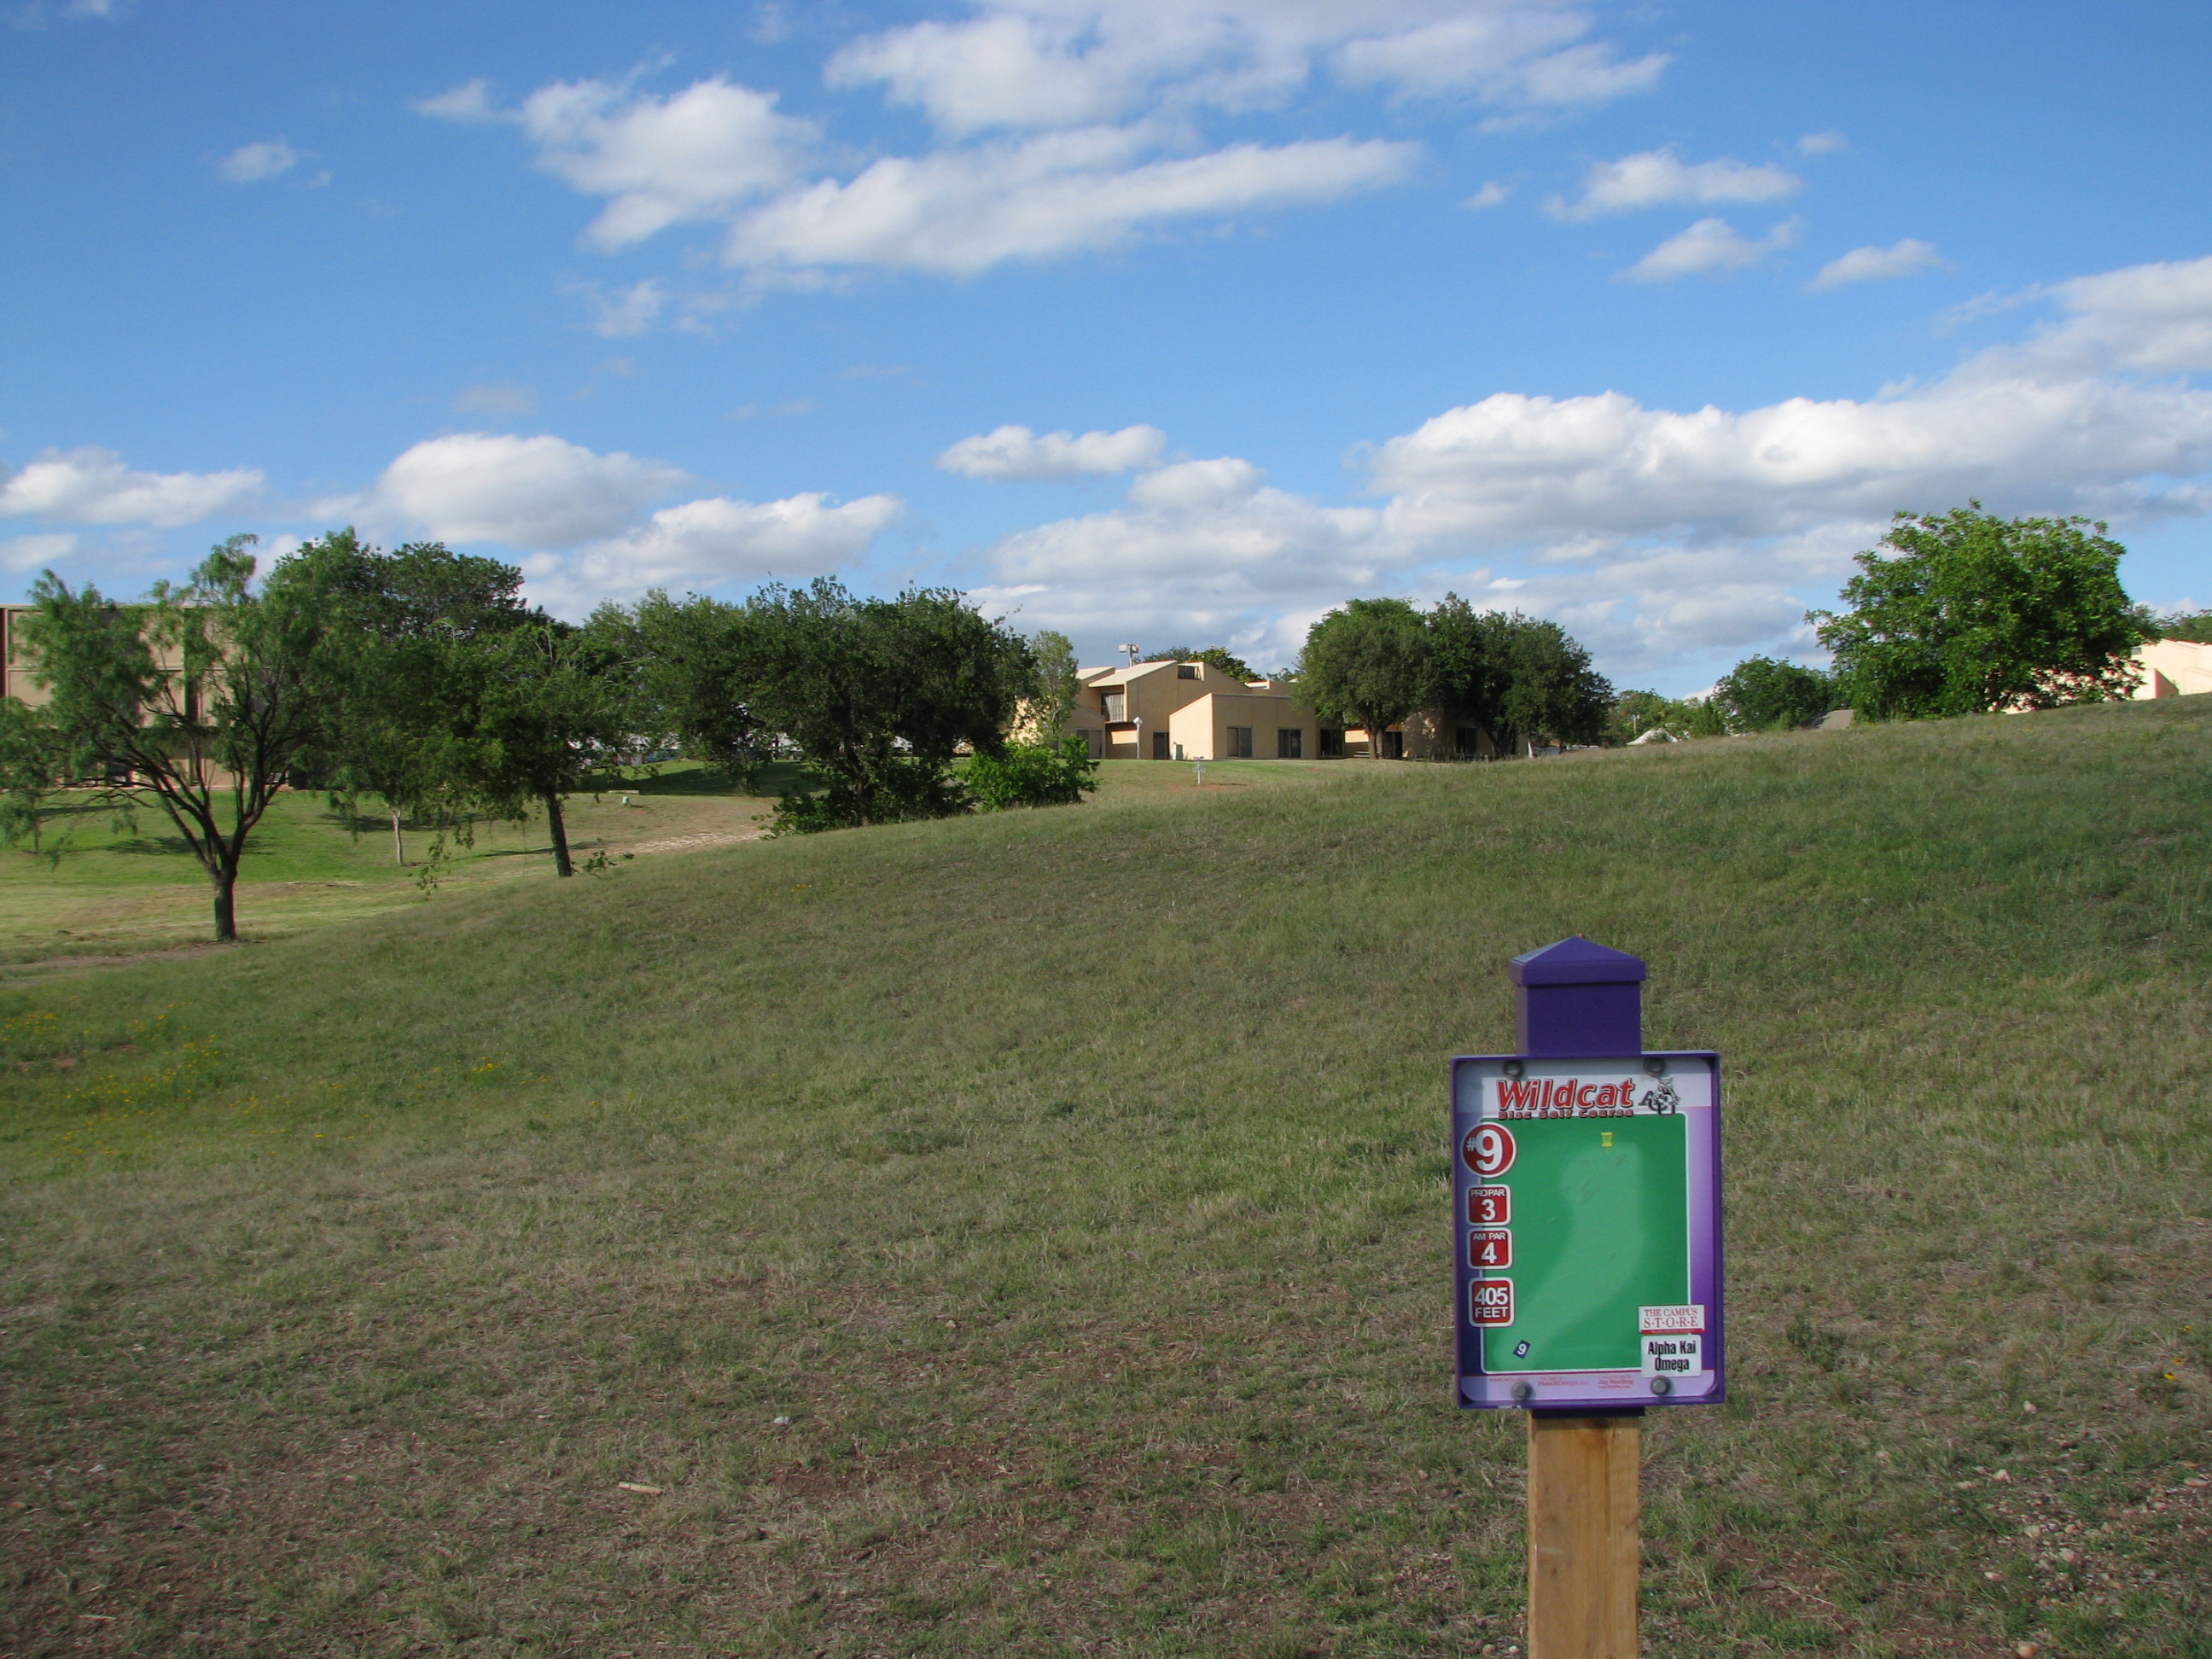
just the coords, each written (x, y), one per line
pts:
(1033, 774)
(904, 790)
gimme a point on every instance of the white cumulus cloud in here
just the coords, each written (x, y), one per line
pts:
(707, 543)
(251, 163)
(960, 212)
(1511, 54)
(93, 486)
(1661, 535)
(1036, 64)
(1211, 535)
(695, 154)
(1062, 126)
(541, 492)
(2155, 318)
(1710, 245)
(1658, 178)
(30, 552)
(1015, 452)
(2059, 422)
(469, 101)
(1907, 257)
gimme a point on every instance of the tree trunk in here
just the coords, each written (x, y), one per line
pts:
(399, 847)
(561, 861)
(226, 913)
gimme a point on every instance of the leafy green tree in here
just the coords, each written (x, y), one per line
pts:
(2195, 625)
(1367, 663)
(1635, 713)
(1968, 612)
(1762, 694)
(551, 718)
(1045, 712)
(205, 695)
(402, 723)
(36, 766)
(881, 694)
(689, 659)
(1707, 719)
(1519, 677)
(1468, 670)
(1551, 690)
(1214, 656)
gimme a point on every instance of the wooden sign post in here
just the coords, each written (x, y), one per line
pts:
(1584, 1549)
(1587, 1200)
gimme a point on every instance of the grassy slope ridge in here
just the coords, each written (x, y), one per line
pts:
(1072, 1182)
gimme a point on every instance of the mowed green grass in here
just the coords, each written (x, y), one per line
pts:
(1029, 1235)
(131, 886)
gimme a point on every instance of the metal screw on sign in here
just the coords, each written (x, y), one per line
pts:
(1587, 1227)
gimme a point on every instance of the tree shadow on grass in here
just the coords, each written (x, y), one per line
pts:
(165, 847)
(771, 778)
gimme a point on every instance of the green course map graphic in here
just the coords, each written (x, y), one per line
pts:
(1600, 1230)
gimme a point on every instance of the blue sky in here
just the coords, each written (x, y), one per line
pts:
(1164, 320)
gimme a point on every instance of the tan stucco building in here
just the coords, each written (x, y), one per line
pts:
(2173, 668)
(15, 661)
(1194, 711)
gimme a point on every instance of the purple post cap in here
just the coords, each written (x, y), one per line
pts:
(1576, 961)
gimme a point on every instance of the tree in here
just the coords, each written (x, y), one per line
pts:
(35, 765)
(1550, 690)
(551, 718)
(880, 694)
(1367, 664)
(1968, 612)
(1214, 656)
(1635, 713)
(1045, 712)
(1762, 694)
(205, 692)
(1467, 669)
(688, 662)
(1517, 677)
(402, 723)
(2195, 625)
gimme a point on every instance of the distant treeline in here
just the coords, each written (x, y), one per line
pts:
(420, 676)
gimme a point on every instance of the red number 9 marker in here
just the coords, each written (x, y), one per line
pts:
(1488, 1149)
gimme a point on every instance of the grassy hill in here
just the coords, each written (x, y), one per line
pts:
(1028, 1235)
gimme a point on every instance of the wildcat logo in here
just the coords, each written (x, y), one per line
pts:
(1544, 1096)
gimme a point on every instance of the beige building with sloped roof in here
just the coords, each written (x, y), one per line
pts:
(1194, 711)
(2173, 668)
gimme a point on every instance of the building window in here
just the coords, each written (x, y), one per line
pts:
(1186, 670)
(1332, 744)
(1115, 702)
(1393, 746)
(1159, 746)
(1290, 743)
(1240, 743)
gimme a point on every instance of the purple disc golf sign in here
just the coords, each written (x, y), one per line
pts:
(1586, 1203)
